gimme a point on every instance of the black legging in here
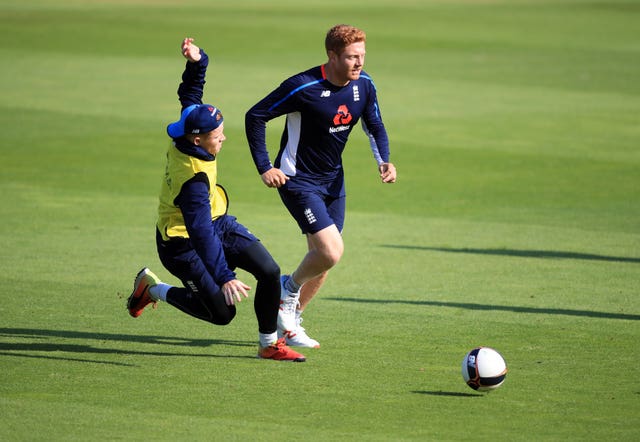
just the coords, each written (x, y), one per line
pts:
(202, 298)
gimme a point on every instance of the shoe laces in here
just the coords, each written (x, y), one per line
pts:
(290, 304)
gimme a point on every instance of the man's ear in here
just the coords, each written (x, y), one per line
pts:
(196, 140)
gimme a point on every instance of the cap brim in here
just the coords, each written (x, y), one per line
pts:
(176, 130)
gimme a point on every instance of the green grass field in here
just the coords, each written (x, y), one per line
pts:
(515, 224)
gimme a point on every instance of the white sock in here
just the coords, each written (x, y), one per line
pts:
(266, 339)
(159, 291)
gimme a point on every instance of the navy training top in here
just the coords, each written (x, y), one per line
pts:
(320, 117)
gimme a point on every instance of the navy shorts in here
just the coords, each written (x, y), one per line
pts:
(179, 257)
(313, 208)
(201, 297)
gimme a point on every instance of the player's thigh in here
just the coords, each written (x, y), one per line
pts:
(191, 270)
(327, 241)
(242, 249)
(255, 259)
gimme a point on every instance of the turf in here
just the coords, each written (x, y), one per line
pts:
(515, 223)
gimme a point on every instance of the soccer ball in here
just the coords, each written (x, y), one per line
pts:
(483, 369)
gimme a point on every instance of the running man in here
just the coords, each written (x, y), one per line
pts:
(322, 105)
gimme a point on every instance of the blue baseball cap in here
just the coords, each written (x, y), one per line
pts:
(196, 119)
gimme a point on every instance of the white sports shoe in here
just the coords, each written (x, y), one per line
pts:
(298, 337)
(287, 312)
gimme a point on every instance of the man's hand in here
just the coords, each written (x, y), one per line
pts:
(190, 51)
(387, 172)
(233, 289)
(274, 178)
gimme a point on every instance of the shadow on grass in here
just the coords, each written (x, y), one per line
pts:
(505, 308)
(58, 358)
(544, 254)
(39, 343)
(448, 393)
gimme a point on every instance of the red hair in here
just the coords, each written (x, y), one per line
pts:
(341, 36)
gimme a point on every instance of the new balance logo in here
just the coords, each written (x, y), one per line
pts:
(325, 93)
(192, 286)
